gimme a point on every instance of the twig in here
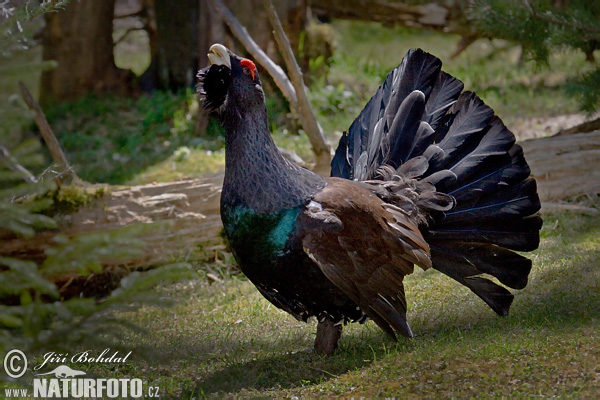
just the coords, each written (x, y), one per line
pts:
(465, 41)
(11, 163)
(307, 118)
(238, 30)
(40, 119)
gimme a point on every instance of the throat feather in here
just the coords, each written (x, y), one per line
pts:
(257, 176)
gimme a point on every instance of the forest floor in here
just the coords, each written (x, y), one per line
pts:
(222, 339)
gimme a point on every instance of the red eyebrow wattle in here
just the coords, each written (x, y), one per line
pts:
(250, 65)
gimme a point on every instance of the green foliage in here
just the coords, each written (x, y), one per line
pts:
(111, 139)
(316, 46)
(542, 28)
(585, 89)
(18, 53)
(19, 205)
(329, 100)
(33, 315)
(14, 34)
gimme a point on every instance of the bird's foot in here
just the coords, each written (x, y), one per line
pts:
(327, 338)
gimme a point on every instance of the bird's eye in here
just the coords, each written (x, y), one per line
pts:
(248, 67)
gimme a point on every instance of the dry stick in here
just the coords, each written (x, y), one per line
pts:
(240, 32)
(307, 118)
(40, 119)
(11, 163)
(280, 78)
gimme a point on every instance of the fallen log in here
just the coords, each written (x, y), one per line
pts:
(190, 207)
(565, 167)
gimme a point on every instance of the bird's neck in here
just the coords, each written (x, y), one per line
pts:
(257, 176)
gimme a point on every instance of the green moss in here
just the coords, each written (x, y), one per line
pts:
(69, 198)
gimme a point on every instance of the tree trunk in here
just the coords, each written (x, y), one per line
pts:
(80, 40)
(211, 29)
(173, 37)
(565, 167)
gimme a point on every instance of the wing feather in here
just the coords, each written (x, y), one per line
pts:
(366, 250)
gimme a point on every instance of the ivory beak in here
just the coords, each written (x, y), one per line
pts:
(218, 55)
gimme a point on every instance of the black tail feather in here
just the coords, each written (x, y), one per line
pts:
(453, 264)
(444, 94)
(421, 125)
(520, 234)
(418, 71)
(408, 119)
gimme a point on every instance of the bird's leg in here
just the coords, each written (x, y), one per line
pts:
(327, 338)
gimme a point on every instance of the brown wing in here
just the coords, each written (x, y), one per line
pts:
(365, 247)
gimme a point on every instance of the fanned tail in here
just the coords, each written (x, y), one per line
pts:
(420, 121)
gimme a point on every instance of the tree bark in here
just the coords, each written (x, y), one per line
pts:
(79, 39)
(565, 167)
(587, 126)
(385, 11)
(173, 34)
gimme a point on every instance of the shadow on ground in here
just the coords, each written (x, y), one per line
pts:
(557, 298)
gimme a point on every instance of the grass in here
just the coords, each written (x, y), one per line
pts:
(225, 340)
(514, 88)
(112, 140)
(183, 163)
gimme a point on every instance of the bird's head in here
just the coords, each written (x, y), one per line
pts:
(230, 80)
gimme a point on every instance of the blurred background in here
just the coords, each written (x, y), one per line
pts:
(116, 77)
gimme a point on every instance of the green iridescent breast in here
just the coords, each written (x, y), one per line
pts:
(256, 237)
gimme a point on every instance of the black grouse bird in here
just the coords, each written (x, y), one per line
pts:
(426, 175)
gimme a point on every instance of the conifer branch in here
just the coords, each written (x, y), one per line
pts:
(11, 163)
(551, 20)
